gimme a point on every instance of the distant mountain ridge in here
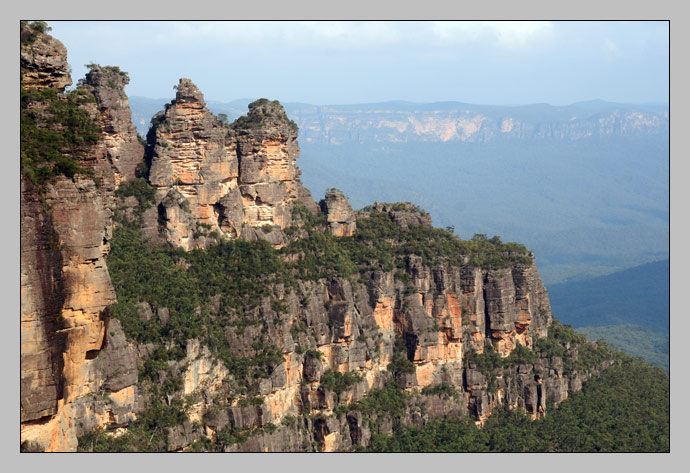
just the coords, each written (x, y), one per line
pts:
(401, 121)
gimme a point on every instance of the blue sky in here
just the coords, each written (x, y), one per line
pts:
(504, 63)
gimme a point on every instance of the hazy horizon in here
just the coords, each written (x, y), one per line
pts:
(508, 63)
(250, 99)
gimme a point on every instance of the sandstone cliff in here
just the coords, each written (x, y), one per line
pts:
(341, 218)
(211, 178)
(65, 284)
(43, 60)
(125, 152)
(300, 368)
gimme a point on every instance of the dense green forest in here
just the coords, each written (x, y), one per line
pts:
(629, 309)
(638, 295)
(634, 340)
(625, 409)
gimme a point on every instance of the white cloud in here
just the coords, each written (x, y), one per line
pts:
(504, 34)
(610, 46)
(348, 34)
(312, 33)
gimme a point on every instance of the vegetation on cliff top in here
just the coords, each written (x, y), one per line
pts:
(263, 110)
(381, 244)
(243, 272)
(55, 132)
(30, 31)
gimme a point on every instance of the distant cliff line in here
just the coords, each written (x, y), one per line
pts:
(401, 121)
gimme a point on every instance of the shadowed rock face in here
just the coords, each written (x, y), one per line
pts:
(125, 152)
(341, 218)
(65, 284)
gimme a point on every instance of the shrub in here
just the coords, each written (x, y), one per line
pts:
(445, 390)
(400, 364)
(339, 382)
(55, 133)
(312, 353)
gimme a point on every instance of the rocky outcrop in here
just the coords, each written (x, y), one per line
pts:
(402, 213)
(237, 181)
(267, 150)
(66, 289)
(125, 152)
(194, 170)
(341, 218)
(445, 316)
(43, 60)
(451, 338)
(65, 284)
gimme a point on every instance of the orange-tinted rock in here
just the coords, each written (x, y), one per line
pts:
(65, 285)
(194, 170)
(212, 178)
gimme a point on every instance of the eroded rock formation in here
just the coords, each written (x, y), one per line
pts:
(228, 180)
(65, 284)
(402, 213)
(125, 152)
(341, 218)
(194, 170)
(267, 150)
(43, 61)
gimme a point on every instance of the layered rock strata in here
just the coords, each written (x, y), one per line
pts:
(125, 152)
(419, 325)
(267, 151)
(231, 181)
(444, 315)
(65, 284)
(43, 61)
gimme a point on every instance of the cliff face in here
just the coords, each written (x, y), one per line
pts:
(401, 122)
(194, 171)
(125, 152)
(300, 366)
(212, 178)
(336, 327)
(43, 61)
(267, 151)
(65, 284)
